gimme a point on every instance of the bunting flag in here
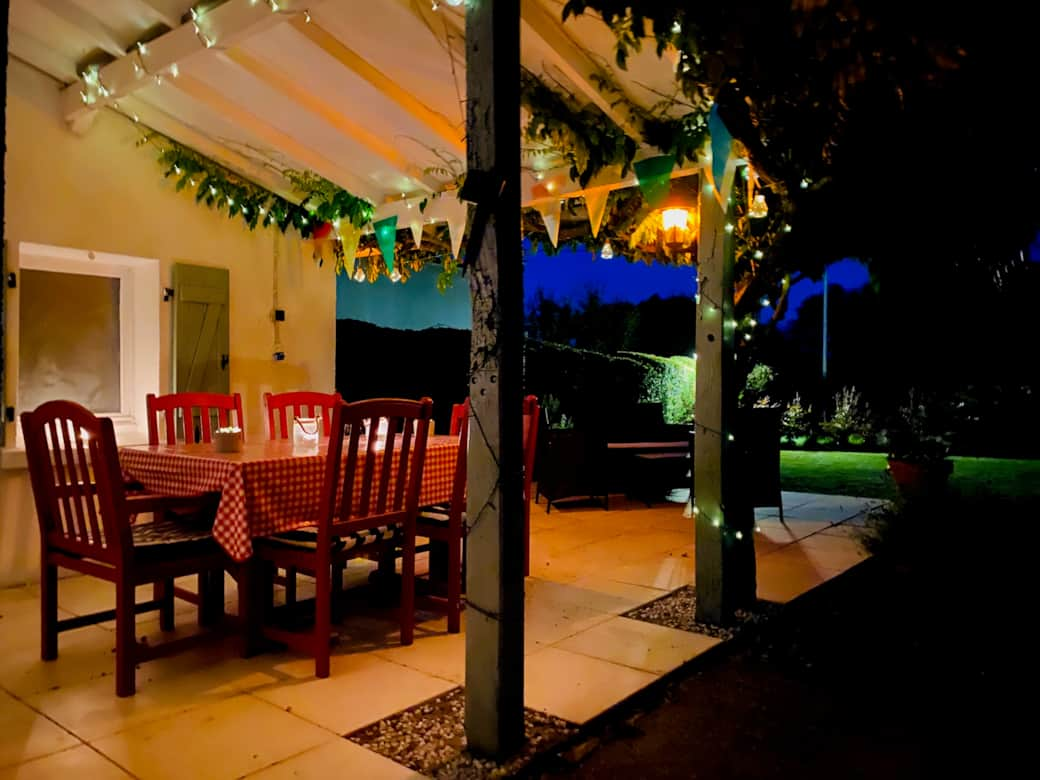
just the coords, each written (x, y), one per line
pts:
(349, 237)
(448, 208)
(721, 154)
(415, 224)
(596, 207)
(386, 237)
(550, 211)
(654, 175)
(321, 244)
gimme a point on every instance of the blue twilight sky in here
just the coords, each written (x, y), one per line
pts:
(569, 275)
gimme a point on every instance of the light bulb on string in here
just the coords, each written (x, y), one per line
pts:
(759, 254)
(212, 190)
(607, 252)
(764, 301)
(175, 70)
(141, 49)
(306, 16)
(359, 274)
(395, 276)
(192, 182)
(739, 535)
(729, 227)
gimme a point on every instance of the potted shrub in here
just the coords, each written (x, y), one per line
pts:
(919, 446)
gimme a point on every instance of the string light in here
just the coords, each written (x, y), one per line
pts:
(787, 228)
(676, 28)
(752, 322)
(436, 5)
(306, 16)
(607, 252)
(758, 254)
(192, 181)
(175, 70)
(136, 118)
(739, 535)
(729, 227)
(212, 190)
(177, 169)
(274, 5)
(261, 210)
(764, 301)
(395, 276)
(141, 49)
(730, 437)
(804, 184)
(716, 522)
(359, 274)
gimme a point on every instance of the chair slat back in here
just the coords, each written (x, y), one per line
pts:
(193, 415)
(458, 485)
(283, 408)
(386, 493)
(531, 410)
(459, 412)
(76, 480)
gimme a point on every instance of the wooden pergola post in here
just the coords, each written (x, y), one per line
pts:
(725, 554)
(495, 575)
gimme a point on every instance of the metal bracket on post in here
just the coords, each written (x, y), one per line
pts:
(483, 189)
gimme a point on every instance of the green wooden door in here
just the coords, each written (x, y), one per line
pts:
(200, 329)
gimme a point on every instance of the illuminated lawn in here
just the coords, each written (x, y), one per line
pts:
(864, 474)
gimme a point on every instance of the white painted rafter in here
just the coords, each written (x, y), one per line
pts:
(314, 102)
(78, 17)
(223, 25)
(274, 137)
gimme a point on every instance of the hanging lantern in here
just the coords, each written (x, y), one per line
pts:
(395, 276)
(607, 252)
(359, 274)
(758, 208)
(671, 230)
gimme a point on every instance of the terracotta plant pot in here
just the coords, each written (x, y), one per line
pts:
(917, 479)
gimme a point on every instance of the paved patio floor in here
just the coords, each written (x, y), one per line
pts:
(209, 714)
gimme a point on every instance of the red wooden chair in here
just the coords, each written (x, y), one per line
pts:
(84, 515)
(301, 403)
(446, 523)
(378, 520)
(195, 409)
(190, 417)
(531, 410)
(282, 409)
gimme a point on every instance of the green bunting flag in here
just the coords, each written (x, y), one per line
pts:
(386, 236)
(654, 175)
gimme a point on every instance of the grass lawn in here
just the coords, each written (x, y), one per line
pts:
(865, 474)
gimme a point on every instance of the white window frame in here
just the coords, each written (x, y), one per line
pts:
(138, 326)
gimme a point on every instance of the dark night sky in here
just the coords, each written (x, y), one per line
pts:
(569, 275)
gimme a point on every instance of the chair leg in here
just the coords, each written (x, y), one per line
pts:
(407, 607)
(251, 607)
(211, 597)
(454, 585)
(125, 640)
(49, 613)
(322, 619)
(290, 585)
(163, 593)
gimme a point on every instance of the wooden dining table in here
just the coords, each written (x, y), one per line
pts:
(265, 488)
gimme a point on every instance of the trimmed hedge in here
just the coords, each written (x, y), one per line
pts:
(591, 386)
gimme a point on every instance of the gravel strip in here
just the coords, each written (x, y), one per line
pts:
(677, 609)
(430, 738)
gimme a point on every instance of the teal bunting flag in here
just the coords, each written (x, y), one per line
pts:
(386, 237)
(721, 146)
(654, 176)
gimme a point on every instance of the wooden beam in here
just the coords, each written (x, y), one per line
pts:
(389, 88)
(573, 61)
(313, 101)
(84, 21)
(223, 25)
(724, 517)
(25, 47)
(155, 118)
(608, 181)
(155, 12)
(495, 544)
(271, 135)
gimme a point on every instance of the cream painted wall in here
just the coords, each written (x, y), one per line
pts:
(101, 192)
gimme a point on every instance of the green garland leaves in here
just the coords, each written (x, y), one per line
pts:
(582, 134)
(224, 190)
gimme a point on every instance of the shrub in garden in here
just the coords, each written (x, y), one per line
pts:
(851, 422)
(796, 422)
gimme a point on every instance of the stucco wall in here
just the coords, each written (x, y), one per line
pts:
(100, 192)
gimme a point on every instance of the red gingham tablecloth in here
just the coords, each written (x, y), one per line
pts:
(264, 489)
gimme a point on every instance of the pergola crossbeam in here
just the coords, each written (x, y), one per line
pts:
(223, 25)
(574, 62)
